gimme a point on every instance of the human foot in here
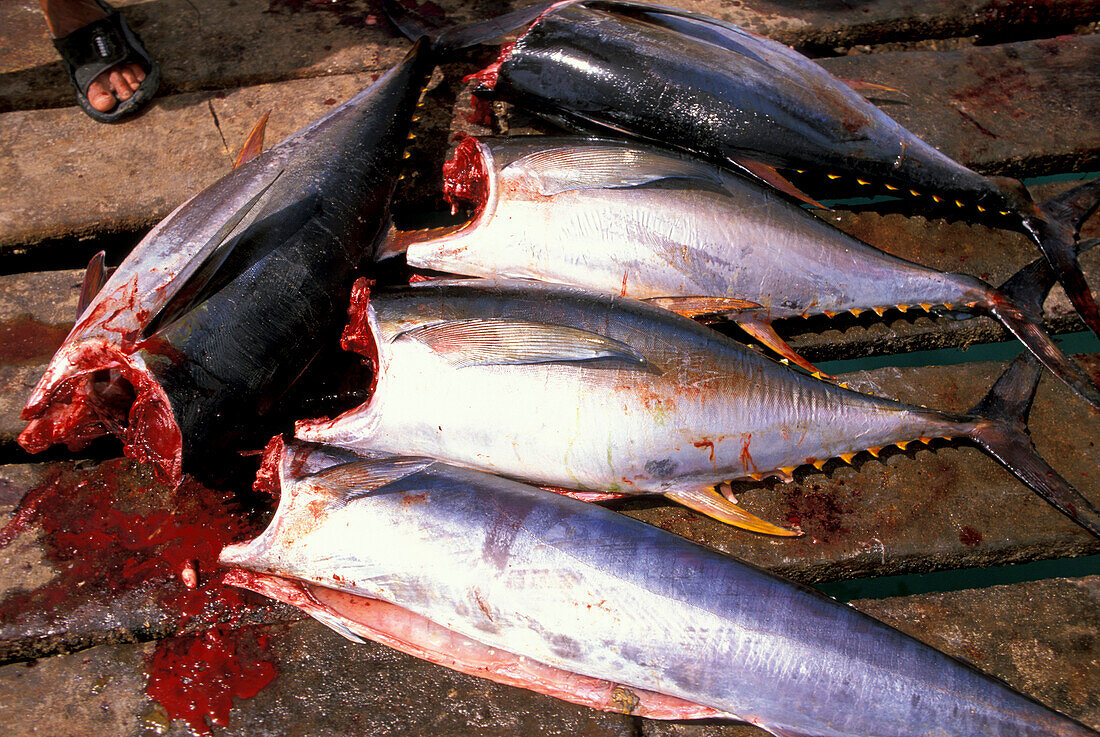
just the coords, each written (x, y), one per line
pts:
(101, 46)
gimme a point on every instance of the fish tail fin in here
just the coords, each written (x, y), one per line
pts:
(1027, 326)
(1000, 429)
(446, 38)
(1054, 225)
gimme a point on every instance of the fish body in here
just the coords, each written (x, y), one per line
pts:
(637, 221)
(592, 593)
(606, 394)
(224, 303)
(699, 84)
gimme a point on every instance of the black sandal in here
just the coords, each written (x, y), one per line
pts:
(92, 49)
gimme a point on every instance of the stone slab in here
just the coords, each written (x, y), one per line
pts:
(212, 44)
(329, 687)
(75, 178)
(69, 176)
(1000, 109)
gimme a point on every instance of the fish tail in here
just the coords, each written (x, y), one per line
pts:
(1054, 226)
(448, 38)
(1000, 428)
(1026, 324)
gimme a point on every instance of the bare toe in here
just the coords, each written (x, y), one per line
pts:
(119, 85)
(129, 77)
(138, 72)
(99, 95)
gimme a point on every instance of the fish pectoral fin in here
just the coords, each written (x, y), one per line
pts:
(770, 176)
(95, 276)
(356, 479)
(194, 284)
(254, 144)
(696, 306)
(709, 502)
(568, 168)
(505, 342)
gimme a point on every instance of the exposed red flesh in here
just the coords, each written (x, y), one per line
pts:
(267, 477)
(487, 77)
(92, 398)
(465, 178)
(411, 633)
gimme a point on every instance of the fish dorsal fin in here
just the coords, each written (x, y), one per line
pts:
(770, 176)
(568, 168)
(95, 276)
(358, 478)
(709, 502)
(504, 342)
(254, 144)
(192, 285)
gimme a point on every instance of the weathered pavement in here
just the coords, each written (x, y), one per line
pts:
(92, 564)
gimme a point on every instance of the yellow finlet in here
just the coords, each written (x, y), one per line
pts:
(1004, 212)
(902, 444)
(924, 440)
(948, 305)
(406, 154)
(891, 187)
(972, 305)
(833, 176)
(914, 192)
(926, 306)
(880, 311)
(874, 451)
(756, 476)
(842, 384)
(819, 464)
(937, 198)
(788, 470)
(784, 361)
(860, 181)
(714, 505)
(847, 457)
(856, 311)
(829, 314)
(817, 375)
(958, 203)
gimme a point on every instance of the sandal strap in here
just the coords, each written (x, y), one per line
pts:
(93, 48)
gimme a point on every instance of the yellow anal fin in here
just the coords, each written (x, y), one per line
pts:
(254, 144)
(759, 328)
(861, 86)
(695, 306)
(714, 505)
(769, 175)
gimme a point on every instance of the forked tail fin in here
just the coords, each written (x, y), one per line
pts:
(1054, 227)
(1002, 432)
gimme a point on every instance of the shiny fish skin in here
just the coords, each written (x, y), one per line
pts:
(589, 591)
(698, 408)
(303, 217)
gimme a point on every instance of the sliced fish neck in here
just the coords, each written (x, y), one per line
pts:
(227, 300)
(590, 592)
(605, 394)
